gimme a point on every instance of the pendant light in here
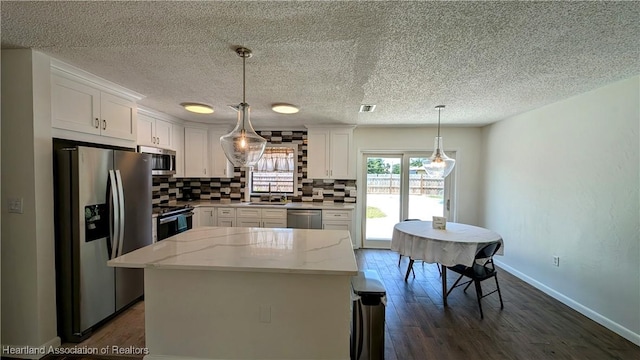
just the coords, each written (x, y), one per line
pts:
(243, 146)
(439, 165)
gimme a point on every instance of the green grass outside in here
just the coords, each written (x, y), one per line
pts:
(374, 212)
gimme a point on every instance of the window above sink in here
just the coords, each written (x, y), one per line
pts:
(276, 172)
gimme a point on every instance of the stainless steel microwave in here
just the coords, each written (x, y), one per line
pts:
(163, 161)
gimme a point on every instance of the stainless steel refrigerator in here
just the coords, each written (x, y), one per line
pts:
(103, 210)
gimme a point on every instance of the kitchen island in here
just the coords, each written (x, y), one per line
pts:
(247, 293)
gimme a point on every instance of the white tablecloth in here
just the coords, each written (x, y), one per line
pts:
(457, 244)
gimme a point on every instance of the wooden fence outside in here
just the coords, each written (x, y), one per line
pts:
(419, 184)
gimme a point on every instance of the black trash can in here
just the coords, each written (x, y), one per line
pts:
(367, 321)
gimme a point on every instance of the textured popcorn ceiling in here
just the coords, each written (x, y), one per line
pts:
(486, 61)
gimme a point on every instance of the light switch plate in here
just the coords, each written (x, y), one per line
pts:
(15, 205)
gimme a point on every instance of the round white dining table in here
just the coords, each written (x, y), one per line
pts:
(457, 244)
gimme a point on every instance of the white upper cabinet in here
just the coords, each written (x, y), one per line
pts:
(220, 166)
(83, 103)
(330, 153)
(203, 155)
(196, 152)
(317, 160)
(118, 117)
(75, 106)
(154, 132)
(177, 138)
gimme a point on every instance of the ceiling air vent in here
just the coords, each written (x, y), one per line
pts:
(367, 108)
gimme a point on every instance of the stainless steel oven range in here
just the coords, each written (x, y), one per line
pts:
(173, 220)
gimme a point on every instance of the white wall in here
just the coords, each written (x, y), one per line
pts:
(28, 271)
(466, 142)
(563, 180)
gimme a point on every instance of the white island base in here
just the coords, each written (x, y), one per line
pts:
(247, 293)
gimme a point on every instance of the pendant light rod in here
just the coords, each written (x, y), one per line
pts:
(244, 53)
(439, 107)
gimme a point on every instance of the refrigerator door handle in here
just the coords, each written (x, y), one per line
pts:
(115, 210)
(121, 204)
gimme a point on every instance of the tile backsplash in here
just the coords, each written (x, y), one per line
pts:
(167, 190)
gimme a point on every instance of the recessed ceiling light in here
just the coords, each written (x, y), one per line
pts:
(197, 108)
(284, 108)
(367, 108)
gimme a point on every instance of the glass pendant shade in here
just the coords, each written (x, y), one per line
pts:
(438, 165)
(243, 146)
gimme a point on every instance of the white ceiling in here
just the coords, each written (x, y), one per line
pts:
(485, 60)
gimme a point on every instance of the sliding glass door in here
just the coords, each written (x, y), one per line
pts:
(398, 188)
(382, 203)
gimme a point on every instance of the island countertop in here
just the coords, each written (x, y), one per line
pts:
(249, 249)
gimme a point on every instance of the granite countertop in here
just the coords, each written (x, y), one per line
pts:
(289, 205)
(326, 252)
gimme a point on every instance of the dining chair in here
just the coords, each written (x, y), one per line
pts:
(482, 269)
(411, 262)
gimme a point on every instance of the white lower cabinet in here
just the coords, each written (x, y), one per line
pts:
(240, 222)
(264, 218)
(207, 216)
(339, 220)
(267, 218)
(274, 218)
(226, 217)
(195, 219)
(154, 229)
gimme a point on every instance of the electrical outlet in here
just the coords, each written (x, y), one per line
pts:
(556, 260)
(15, 205)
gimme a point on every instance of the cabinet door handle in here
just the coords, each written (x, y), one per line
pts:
(97, 123)
(153, 139)
(104, 124)
(157, 140)
(205, 171)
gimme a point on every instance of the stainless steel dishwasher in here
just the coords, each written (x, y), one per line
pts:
(304, 219)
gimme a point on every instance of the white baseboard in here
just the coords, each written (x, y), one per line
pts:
(597, 317)
(31, 352)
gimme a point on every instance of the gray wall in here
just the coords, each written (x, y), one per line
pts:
(563, 180)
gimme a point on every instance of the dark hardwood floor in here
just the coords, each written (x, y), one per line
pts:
(532, 325)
